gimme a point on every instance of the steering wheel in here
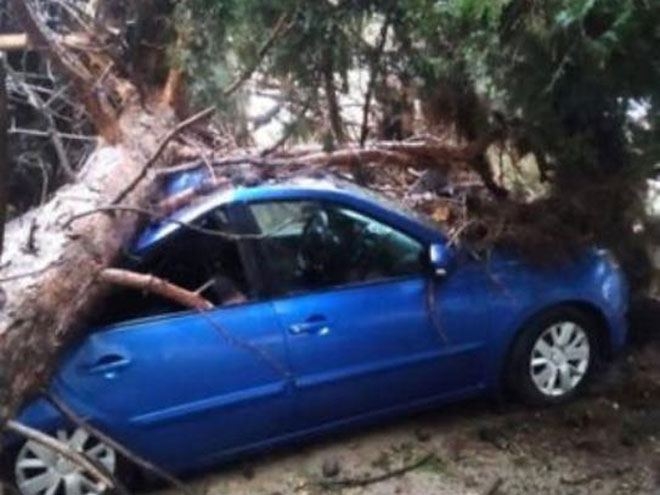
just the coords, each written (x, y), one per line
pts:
(318, 245)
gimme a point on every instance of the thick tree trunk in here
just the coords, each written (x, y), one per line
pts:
(4, 159)
(51, 282)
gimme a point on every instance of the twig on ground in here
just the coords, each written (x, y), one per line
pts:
(71, 415)
(368, 480)
(159, 151)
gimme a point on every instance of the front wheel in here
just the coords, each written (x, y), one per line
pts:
(38, 470)
(553, 358)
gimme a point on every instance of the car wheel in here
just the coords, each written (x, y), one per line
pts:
(38, 470)
(554, 356)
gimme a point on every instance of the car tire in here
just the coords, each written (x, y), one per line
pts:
(36, 462)
(554, 357)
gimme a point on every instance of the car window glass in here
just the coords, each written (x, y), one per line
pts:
(281, 219)
(324, 245)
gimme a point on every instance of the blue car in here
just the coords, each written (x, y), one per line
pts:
(332, 308)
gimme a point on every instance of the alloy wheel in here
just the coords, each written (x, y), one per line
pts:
(41, 471)
(560, 358)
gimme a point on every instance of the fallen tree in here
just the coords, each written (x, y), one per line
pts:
(59, 258)
(52, 276)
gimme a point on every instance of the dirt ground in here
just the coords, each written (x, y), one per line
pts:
(607, 443)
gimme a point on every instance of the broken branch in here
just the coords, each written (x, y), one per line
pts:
(280, 28)
(155, 285)
(157, 216)
(131, 456)
(161, 148)
(51, 443)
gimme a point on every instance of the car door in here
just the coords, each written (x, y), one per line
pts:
(354, 305)
(185, 388)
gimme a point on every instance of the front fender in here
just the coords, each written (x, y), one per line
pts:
(595, 284)
(40, 415)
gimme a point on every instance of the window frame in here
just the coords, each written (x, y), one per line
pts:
(264, 269)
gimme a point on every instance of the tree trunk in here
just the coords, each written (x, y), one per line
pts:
(52, 280)
(4, 159)
(334, 114)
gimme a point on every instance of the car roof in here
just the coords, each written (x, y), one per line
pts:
(299, 187)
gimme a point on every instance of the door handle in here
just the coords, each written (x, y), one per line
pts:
(108, 363)
(317, 325)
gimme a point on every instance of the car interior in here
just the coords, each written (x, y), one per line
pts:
(210, 265)
(304, 246)
(326, 245)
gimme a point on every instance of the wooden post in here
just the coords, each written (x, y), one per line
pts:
(4, 158)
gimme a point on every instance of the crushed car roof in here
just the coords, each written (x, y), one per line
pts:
(299, 186)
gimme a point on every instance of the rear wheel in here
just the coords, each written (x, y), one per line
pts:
(39, 470)
(553, 358)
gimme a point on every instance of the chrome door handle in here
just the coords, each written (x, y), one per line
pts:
(316, 326)
(108, 363)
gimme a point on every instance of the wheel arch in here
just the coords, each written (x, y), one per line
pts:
(588, 308)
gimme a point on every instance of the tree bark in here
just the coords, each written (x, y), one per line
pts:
(51, 288)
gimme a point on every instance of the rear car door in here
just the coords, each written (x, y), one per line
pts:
(351, 295)
(186, 387)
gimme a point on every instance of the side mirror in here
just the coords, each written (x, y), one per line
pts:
(440, 259)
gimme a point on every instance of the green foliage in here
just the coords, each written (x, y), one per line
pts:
(570, 70)
(562, 73)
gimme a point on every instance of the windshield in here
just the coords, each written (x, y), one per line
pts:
(395, 205)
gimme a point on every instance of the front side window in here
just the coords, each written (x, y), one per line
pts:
(210, 265)
(310, 245)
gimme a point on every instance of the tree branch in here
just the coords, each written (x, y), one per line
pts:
(35, 99)
(155, 285)
(154, 215)
(71, 415)
(161, 148)
(280, 28)
(364, 131)
(61, 448)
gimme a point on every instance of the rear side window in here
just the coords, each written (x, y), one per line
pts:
(310, 245)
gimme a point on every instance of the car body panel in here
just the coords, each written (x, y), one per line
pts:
(188, 389)
(374, 347)
(180, 375)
